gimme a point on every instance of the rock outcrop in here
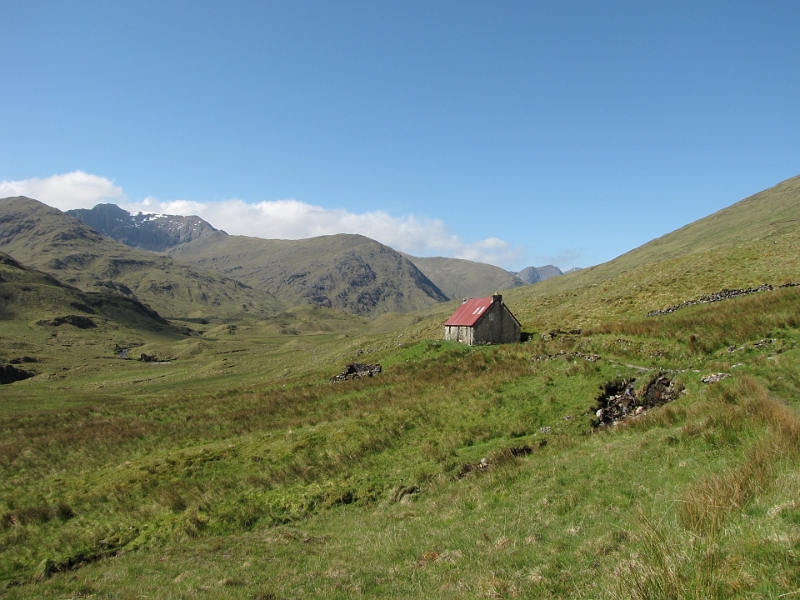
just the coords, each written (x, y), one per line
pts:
(620, 400)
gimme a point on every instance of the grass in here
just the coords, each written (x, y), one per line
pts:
(268, 483)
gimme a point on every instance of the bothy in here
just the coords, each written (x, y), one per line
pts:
(483, 321)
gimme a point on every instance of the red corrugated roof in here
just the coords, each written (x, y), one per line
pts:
(469, 312)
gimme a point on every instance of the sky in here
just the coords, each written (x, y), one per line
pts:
(514, 133)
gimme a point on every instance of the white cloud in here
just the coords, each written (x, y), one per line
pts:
(70, 190)
(277, 219)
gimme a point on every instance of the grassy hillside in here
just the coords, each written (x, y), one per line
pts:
(459, 278)
(348, 272)
(53, 242)
(54, 329)
(29, 294)
(752, 242)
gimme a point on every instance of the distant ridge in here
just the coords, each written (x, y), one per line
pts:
(459, 278)
(766, 216)
(345, 271)
(348, 272)
(751, 243)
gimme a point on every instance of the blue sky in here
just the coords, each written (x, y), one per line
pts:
(519, 133)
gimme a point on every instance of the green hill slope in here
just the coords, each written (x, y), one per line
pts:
(349, 272)
(459, 278)
(51, 241)
(27, 293)
(754, 241)
(59, 329)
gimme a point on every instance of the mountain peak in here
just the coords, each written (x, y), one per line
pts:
(534, 274)
(147, 231)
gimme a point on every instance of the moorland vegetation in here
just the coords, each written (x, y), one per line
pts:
(232, 467)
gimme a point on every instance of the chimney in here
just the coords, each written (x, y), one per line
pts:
(497, 298)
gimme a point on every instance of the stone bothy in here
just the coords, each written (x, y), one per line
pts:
(483, 321)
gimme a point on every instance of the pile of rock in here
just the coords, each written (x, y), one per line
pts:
(619, 399)
(357, 371)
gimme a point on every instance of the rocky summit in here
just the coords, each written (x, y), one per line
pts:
(146, 231)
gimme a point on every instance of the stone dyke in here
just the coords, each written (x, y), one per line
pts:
(725, 294)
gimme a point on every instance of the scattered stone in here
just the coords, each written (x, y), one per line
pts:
(357, 371)
(762, 344)
(557, 332)
(545, 429)
(563, 354)
(714, 377)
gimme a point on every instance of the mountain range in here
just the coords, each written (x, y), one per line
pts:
(344, 271)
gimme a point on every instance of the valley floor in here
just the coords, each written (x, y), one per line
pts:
(239, 471)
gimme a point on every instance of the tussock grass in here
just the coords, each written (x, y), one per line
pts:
(693, 556)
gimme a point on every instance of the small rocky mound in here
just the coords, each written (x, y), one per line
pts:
(10, 374)
(357, 371)
(619, 399)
